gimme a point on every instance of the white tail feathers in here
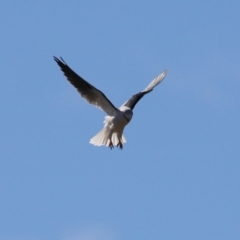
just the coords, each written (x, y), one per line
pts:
(105, 136)
(115, 139)
(101, 138)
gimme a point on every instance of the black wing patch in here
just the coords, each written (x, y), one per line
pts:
(134, 99)
(87, 91)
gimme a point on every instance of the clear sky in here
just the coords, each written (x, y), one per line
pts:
(178, 175)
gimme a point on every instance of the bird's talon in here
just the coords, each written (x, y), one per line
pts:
(120, 145)
(111, 145)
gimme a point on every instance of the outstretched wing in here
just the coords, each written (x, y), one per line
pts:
(87, 91)
(135, 98)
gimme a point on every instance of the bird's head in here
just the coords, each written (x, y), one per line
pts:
(128, 113)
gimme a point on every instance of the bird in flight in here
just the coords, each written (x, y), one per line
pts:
(117, 118)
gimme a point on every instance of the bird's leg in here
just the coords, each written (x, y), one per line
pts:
(110, 144)
(120, 144)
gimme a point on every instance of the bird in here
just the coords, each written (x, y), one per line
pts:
(117, 118)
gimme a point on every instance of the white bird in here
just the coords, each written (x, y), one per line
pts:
(115, 121)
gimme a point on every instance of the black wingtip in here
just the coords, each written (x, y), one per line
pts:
(56, 59)
(59, 60)
(63, 60)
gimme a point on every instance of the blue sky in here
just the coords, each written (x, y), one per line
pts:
(177, 177)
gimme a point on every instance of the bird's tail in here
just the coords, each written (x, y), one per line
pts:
(115, 139)
(105, 136)
(102, 138)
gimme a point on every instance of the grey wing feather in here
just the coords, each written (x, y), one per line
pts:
(135, 98)
(155, 81)
(87, 91)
